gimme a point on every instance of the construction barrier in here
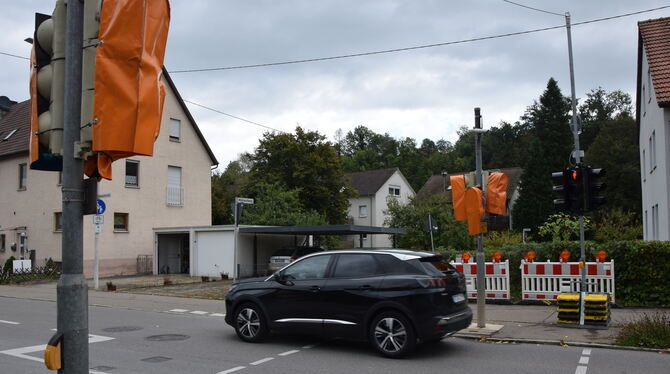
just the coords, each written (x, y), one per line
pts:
(545, 280)
(596, 309)
(497, 279)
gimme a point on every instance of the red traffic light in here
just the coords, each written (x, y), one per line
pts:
(574, 175)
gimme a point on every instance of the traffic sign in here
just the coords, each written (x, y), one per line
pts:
(244, 200)
(98, 220)
(98, 229)
(101, 207)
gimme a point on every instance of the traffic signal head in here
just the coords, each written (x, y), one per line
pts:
(558, 189)
(567, 188)
(47, 89)
(595, 190)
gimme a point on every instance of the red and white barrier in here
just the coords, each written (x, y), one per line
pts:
(497, 279)
(545, 280)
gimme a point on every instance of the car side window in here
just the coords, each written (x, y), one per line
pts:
(356, 266)
(309, 268)
(393, 265)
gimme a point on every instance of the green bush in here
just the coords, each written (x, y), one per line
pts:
(650, 331)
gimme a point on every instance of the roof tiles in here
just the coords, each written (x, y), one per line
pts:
(655, 35)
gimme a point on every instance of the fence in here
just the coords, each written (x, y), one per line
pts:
(26, 275)
(145, 264)
(496, 279)
(545, 280)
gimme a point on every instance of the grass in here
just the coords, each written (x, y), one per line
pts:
(649, 331)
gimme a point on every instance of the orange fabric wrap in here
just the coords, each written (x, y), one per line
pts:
(129, 95)
(458, 196)
(474, 210)
(496, 193)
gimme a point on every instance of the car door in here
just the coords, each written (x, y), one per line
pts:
(296, 302)
(349, 292)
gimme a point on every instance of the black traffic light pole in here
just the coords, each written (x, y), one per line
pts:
(72, 287)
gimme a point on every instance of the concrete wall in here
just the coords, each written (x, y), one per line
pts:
(146, 205)
(655, 179)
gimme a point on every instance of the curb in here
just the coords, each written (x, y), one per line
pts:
(561, 343)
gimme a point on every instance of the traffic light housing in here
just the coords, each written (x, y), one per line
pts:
(595, 188)
(569, 188)
(47, 83)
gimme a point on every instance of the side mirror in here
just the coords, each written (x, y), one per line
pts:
(282, 279)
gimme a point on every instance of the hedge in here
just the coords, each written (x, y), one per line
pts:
(641, 268)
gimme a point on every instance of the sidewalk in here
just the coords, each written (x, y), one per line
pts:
(520, 323)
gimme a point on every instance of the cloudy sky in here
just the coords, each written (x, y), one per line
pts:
(420, 93)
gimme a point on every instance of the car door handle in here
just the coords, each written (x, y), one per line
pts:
(315, 288)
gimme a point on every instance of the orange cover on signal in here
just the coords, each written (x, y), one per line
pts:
(458, 196)
(474, 210)
(496, 193)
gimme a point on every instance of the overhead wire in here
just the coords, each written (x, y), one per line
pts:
(232, 116)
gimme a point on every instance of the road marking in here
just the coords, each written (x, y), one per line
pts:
(584, 360)
(178, 310)
(309, 346)
(586, 352)
(199, 312)
(580, 370)
(262, 361)
(218, 315)
(236, 368)
(289, 352)
(9, 322)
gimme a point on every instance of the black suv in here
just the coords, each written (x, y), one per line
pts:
(392, 298)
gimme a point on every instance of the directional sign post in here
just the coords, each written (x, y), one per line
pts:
(98, 220)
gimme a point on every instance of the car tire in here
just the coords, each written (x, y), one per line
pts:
(250, 324)
(392, 334)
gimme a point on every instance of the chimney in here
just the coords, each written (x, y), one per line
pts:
(5, 105)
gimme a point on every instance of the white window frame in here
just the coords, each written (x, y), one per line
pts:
(362, 211)
(175, 130)
(23, 177)
(394, 190)
(58, 221)
(644, 165)
(174, 191)
(137, 177)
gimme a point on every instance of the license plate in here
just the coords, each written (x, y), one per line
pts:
(458, 298)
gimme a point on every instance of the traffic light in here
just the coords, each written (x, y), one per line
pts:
(595, 196)
(47, 83)
(568, 187)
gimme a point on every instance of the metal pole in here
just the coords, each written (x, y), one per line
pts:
(96, 259)
(481, 265)
(72, 289)
(577, 156)
(430, 227)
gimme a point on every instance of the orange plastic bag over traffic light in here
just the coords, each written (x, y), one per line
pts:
(458, 196)
(474, 209)
(496, 193)
(129, 95)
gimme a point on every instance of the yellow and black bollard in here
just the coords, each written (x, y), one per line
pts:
(52, 353)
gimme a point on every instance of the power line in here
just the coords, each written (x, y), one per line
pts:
(11, 55)
(413, 48)
(531, 8)
(232, 116)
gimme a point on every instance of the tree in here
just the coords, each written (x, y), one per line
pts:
(225, 187)
(306, 162)
(601, 106)
(275, 206)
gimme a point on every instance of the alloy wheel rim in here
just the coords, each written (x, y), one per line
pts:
(390, 334)
(248, 322)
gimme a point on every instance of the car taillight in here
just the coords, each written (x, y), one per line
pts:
(432, 283)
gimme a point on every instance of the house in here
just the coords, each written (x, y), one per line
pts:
(440, 184)
(375, 188)
(172, 188)
(652, 110)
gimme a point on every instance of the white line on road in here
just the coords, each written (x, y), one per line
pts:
(262, 361)
(309, 346)
(178, 310)
(23, 351)
(584, 360)
(217, 315)
(586, 352)
(236, 368)
(9, 322)
(289, 352)
(580, 370)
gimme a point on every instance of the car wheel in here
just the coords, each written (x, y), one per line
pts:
(392, 334)
(250, 324)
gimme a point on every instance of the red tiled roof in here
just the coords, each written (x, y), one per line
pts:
(655, 35)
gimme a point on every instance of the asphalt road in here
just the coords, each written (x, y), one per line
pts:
(178, 340)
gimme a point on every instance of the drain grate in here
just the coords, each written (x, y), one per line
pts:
(166, 337)
(122, 329)
(156, 359)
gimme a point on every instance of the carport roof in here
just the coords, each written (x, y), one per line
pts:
(321, 230)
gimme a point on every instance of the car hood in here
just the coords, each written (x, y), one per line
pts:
(250, 280)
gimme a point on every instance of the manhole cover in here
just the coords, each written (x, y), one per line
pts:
(156, 359)
(103, 368)
(167, 337)
(122, 329)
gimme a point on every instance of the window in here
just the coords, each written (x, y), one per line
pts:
(362, 211)
(394, 190)
(652, 152)
(132, 173)
(656, 225)
(175, 193)
(356, 266)
(649, 84)
(58, 221)
(646, 225)
(309, 268)
(644, 101)
(120, 222)
(2, 243)
(60, 178)
(175, 130)
(23, 176)
(393, 265)
(644, 165)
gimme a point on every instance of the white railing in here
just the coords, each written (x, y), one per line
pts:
(175, 196)
(496, 278)
(546, 280)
